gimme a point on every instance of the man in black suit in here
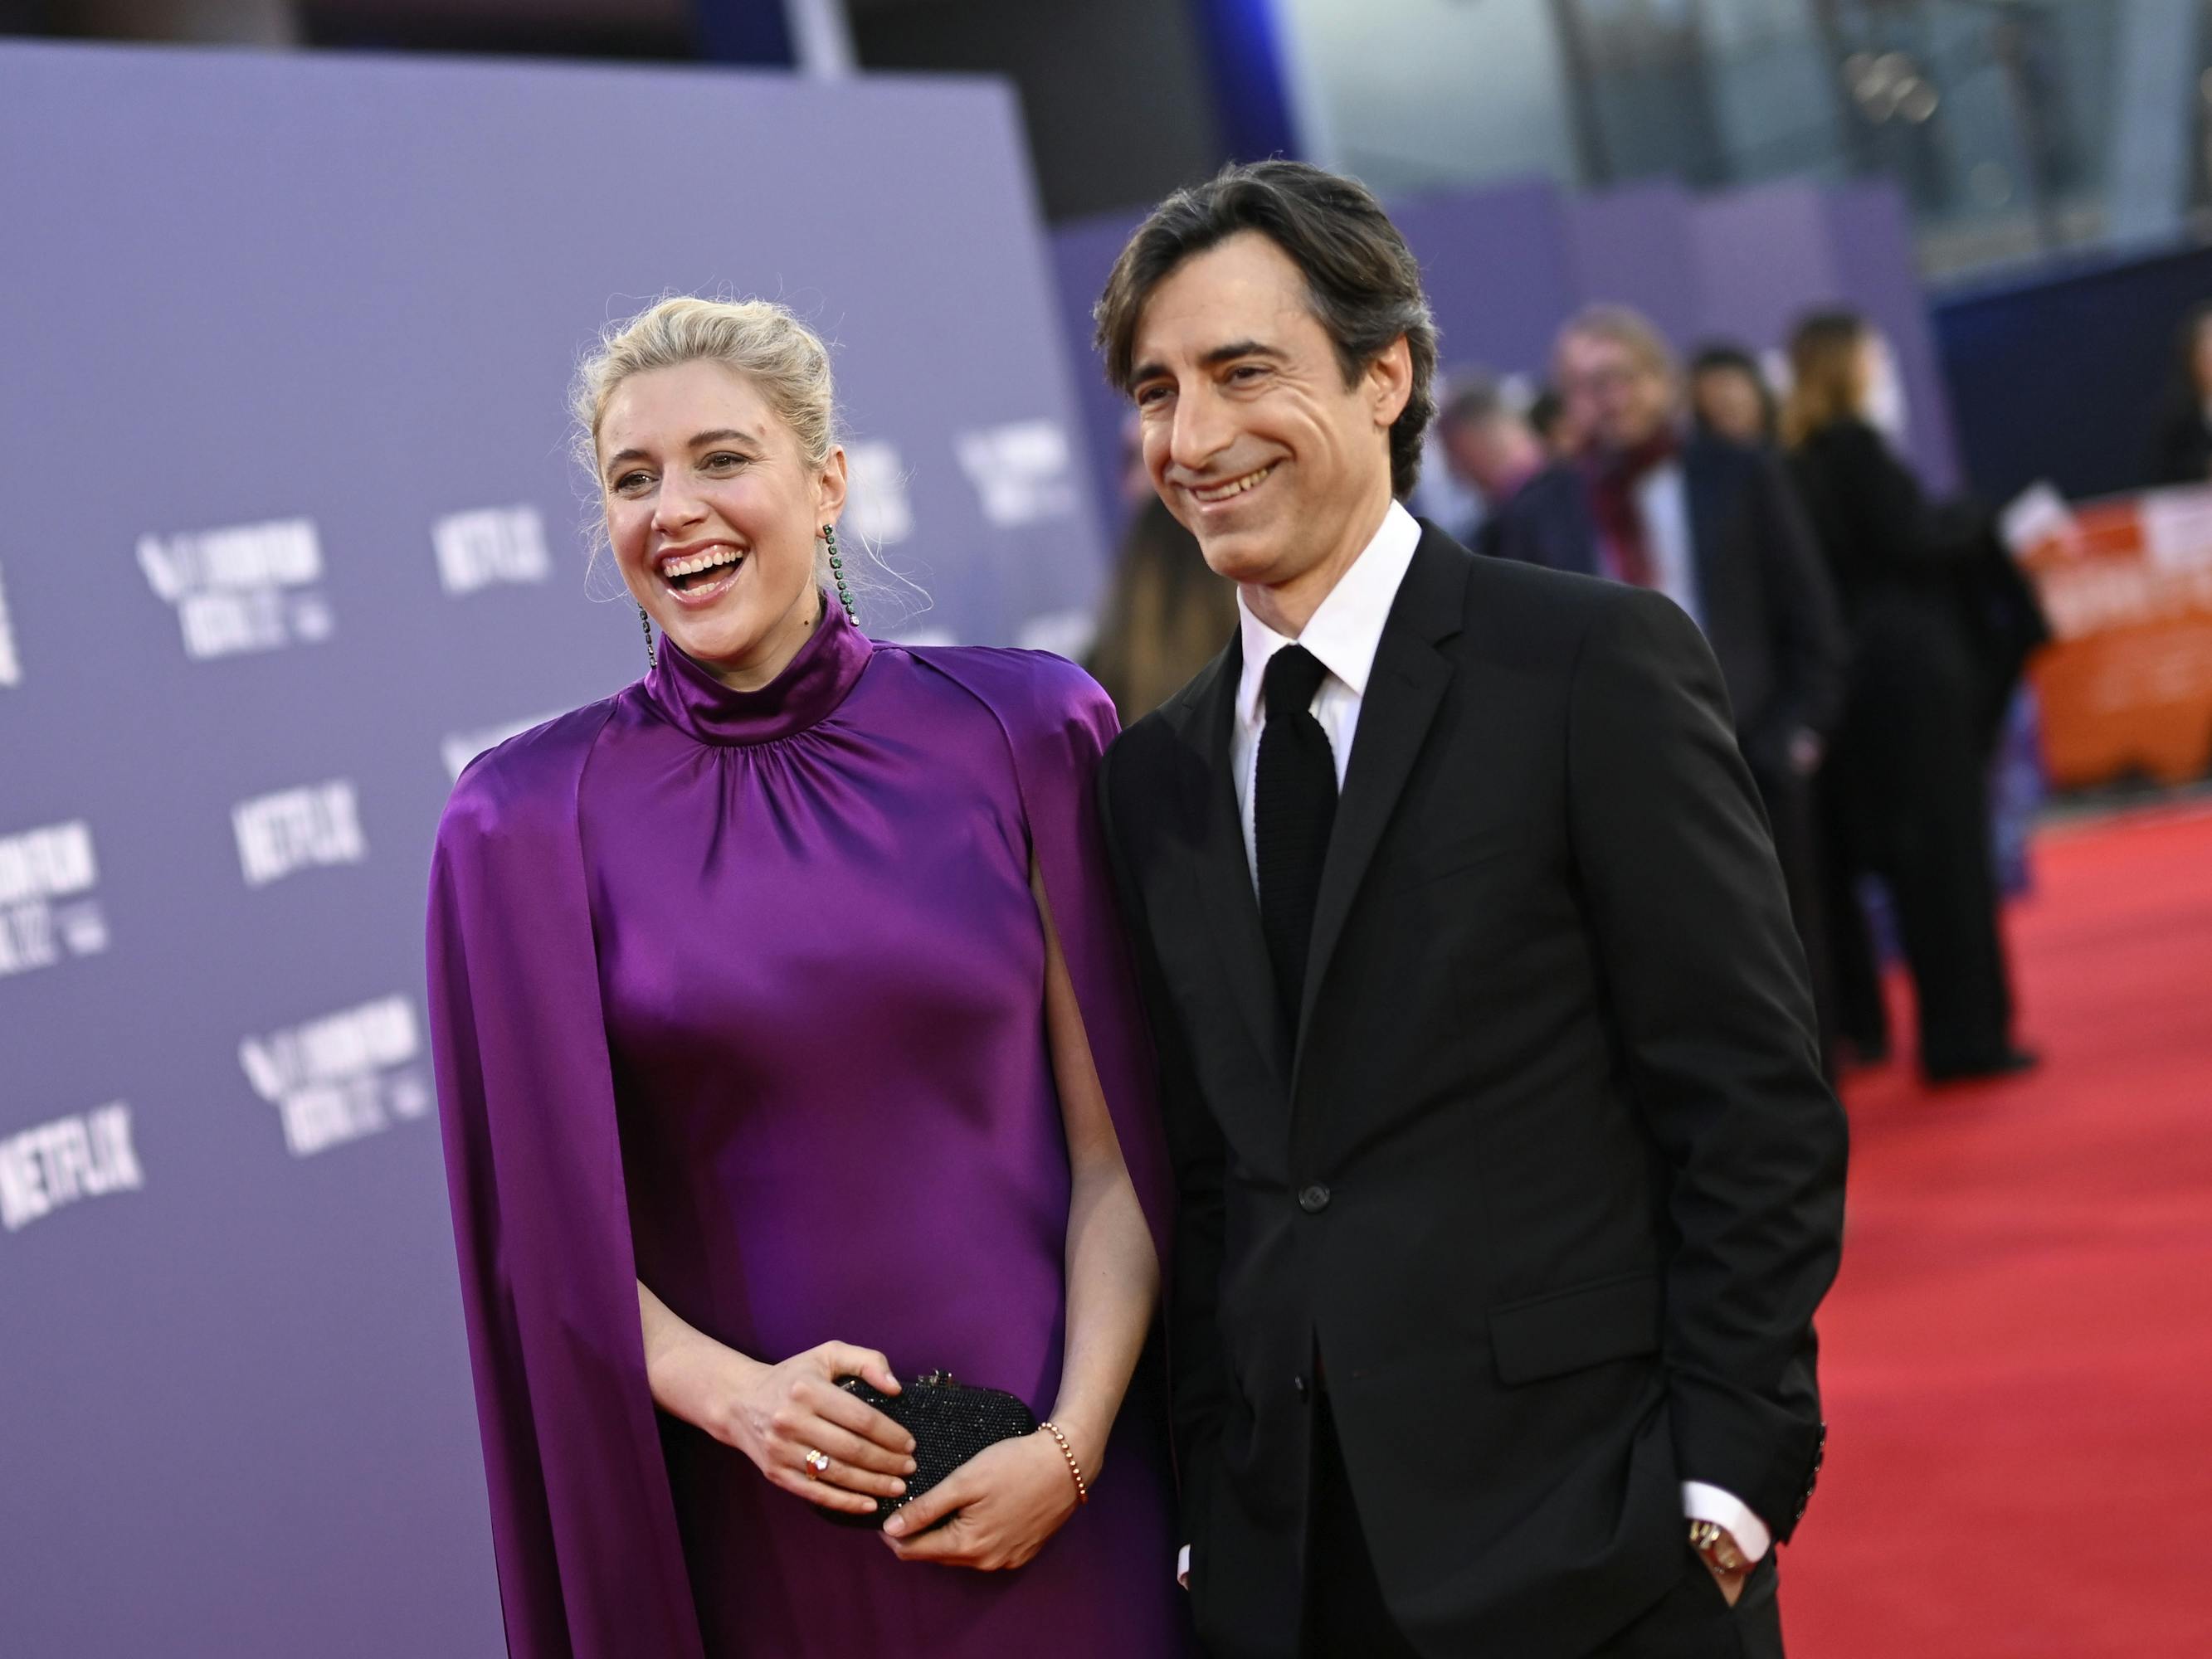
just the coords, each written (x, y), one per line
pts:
(1717, 527)
(1508, 1180)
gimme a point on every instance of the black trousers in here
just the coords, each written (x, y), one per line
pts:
(1854, 974)
(1912, 795)
(1345, 1616)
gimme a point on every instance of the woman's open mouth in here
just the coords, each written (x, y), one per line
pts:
(701, 577)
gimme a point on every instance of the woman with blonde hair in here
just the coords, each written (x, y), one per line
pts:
(1907, 773)
(785, 1052)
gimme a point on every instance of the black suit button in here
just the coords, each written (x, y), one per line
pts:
(1302, 1388)
(1314, 1199)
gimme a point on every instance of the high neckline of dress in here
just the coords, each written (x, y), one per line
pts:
(812, 683)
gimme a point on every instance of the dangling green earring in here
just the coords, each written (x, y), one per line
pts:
(646, 623)
(837, 573)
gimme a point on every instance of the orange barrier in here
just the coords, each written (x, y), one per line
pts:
(2125, 687)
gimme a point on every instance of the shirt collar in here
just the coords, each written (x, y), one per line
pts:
(1346, 627)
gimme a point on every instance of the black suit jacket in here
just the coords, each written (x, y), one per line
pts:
(1550, 1179)
(1923, 588)
(1763, 590)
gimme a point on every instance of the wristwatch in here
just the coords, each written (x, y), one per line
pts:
(1710, 1539)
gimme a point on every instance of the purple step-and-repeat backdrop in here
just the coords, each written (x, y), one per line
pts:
(1506, 264)
(289, 534)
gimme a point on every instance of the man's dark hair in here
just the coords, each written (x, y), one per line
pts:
(1726, 355)
(1545, 409)
(1727, 358)
(1362, 280)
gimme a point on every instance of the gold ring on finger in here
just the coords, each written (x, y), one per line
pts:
(818, 1463)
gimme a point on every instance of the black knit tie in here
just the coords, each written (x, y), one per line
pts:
(1293, 804)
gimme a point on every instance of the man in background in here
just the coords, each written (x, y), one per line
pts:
(1730, 397)
(1547, 419)
(1716, 528)
(1490, 449)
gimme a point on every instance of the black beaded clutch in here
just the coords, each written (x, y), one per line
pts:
(949, 1421)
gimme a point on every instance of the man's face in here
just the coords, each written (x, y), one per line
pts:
(1729, 401)
(1613, 396)
(1250, 434)
(1494, 455)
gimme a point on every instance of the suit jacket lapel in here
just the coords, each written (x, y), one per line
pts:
(1403, 690)
(1224, 869)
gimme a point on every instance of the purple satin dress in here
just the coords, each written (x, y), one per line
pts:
(822, 969)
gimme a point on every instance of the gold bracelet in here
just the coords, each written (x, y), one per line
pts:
(1074, 1469)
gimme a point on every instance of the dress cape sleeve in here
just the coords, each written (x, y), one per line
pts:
(591, 1565)
(1058, 722)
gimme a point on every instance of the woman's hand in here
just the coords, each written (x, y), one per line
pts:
(1004, 1503)
(776, 1414)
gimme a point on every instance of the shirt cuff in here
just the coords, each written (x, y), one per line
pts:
(1182, 1566)
(1724, 1509)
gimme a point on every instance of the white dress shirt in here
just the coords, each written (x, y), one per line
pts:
(1344, 634)
(1663, 503)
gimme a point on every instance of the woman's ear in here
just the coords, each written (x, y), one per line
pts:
(829, 489)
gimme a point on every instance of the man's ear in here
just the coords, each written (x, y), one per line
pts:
(1390, 381)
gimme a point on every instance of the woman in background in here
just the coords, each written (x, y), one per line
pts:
(1907, 772)
(782, 1035)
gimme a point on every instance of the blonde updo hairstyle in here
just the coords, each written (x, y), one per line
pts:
(766, 342)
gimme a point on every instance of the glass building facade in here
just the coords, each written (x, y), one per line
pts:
(2019, 129)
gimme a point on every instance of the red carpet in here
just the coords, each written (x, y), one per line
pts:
(2017, 1359)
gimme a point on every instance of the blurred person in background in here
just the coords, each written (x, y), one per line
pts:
(1729, 398)
(1490, 448)
(1716, 528)
(1907, 789)
(2182, 452)
(1547, 419)
(1166, 613)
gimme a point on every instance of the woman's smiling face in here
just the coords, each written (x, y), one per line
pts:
(713, 511)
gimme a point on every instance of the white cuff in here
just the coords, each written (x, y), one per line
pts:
(1182, 1566)
(1724, 1509)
